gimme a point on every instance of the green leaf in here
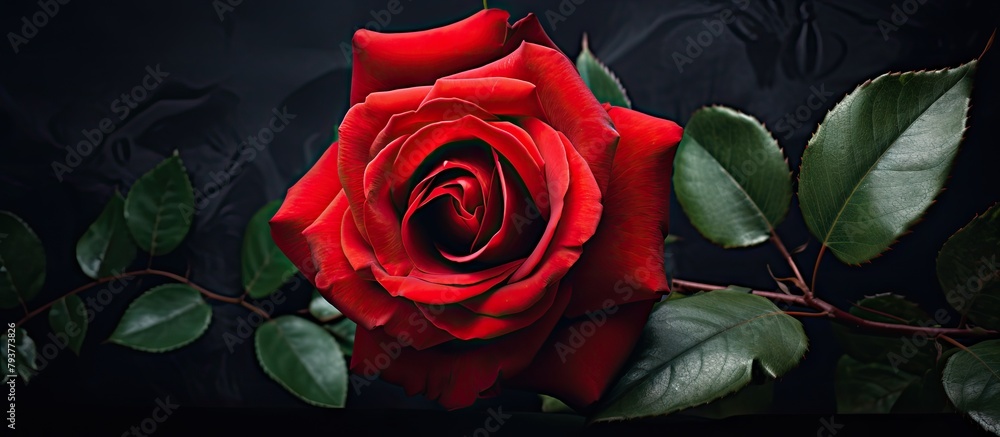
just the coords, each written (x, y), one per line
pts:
(914, 354)
(968, 271)
(107, 247)
(22, 261)
(321, 309)
(68, 317)
(25, 354)
(880, 157)
(265, 267)
(601, 81)
(163, 319)
(868, 387)
(700, 348)
(553, 405)
(927, 394)
(972, 381)
(159, 206)
(731, 178)
(752, 399)
(343, 331)
(304, 359)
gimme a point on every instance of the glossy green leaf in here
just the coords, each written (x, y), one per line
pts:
(868, 387)
(106, 248)
(752, 399)
(913, 354)
(968, 270)
(22, 261)
(553, 405)
(731, 178)
(163, 319)
(880, 157)
(601, 81)
(343, 331)
(972, 381)
(304, 359)
(700, 348)
(25, 355)
(322, 309)
(159, 207)
(265, 267)
(68, 317)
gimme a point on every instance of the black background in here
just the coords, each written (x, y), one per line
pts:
(226, 75)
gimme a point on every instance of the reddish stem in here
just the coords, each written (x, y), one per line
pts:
(153, 272)
(844, 317)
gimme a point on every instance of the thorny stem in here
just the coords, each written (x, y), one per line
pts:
(844, 317)
(148, 272)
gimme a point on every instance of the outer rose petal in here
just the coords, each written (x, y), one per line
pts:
(624, 259)
(386, 61)
(453, 374)
(305, 201)
(578, 374)
(361, 300)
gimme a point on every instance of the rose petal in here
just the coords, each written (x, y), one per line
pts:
(384, 61)
(305, 201)
(359, 129)
(418, 286)
(530, 30)
(579, 219)
(570, 106)
(453, 374)
(626, 253)
(362, 301)
(580, 361)
(496, 95)
(403, 157)
(503, 245)
(431, 111)
(467, 325)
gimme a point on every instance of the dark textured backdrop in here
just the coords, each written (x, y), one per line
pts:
(226, 73)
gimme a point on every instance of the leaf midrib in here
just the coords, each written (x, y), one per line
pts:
(170, 316)
(729, 175)
(705, 340)
(309, 371)
(847, 200)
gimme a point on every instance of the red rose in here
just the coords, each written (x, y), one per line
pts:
(483, 218)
